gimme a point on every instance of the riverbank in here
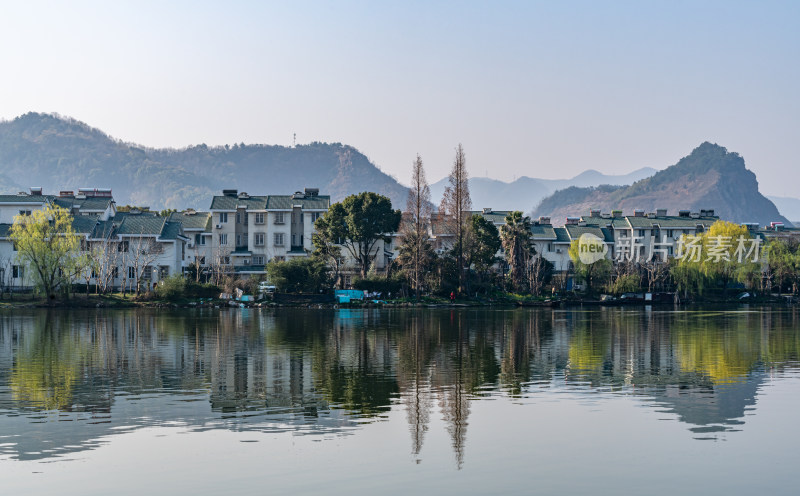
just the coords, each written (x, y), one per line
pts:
(298, 301)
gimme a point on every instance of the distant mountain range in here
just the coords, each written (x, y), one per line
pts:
(64, 154)
(60, 153)
(708, 178)
(526, 192)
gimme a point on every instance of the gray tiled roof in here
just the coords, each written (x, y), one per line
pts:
(194, 221)
(95, 203)
(171, 230)
(543, 231)
(495, 217)
(24, 199)
(271, 202)
(669, 222)
(576, 232)
(233, 202)
(102, 229)
(141, 224)
(84, 224)
(561, 235)
(285, 202)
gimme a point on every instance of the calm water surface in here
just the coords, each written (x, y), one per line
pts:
(601, 401)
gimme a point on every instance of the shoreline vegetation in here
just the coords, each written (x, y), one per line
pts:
(316, 301)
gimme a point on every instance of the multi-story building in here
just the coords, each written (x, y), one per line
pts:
(128, 247)
(249, 231)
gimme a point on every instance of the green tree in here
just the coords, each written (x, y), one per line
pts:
(481, 242)
(357, 223)
(516, 238)
(298, 275)
(46, 242)
(593, 274)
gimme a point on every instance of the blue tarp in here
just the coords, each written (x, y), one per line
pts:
(350, 294)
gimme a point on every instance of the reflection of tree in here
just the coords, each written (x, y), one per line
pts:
(721, 350)
(47, 366)
(413, 371)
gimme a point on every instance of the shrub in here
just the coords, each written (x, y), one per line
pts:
(171, 288)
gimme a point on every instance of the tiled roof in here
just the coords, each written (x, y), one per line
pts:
(271, 202)
(84, 224)
(95, 203)
(495, 217)
(171, 230)
(285, 202)
(141, 224)
(24, 199)
(233, 202)
(194, 221)
(543, 231)
(102, 229)
(561, 235)
(669, 222)
(576, 232)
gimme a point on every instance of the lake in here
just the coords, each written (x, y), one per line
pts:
(395, 401)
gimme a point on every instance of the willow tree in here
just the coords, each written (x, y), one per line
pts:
(415, 225)
(46, 242)
(456, 205)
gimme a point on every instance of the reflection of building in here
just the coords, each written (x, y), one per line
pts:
(318, 371)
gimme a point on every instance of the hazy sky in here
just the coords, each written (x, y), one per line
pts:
(543, 89)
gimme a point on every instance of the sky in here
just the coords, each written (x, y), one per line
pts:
(539, 89)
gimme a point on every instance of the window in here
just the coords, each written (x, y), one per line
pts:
(147, 273)
(279, 259)
(258, 260)
(259, 218)
(294, 239)
(123, 247)
(669, 233)
(238, 240)
(18, 272)
(13, 246)
(163, 271)
(131, 272)
(278, 239)
(202, 260)
(223, 239)
(315, 216)
(259, 239)
(641, 233)
(238, 221)
(225, 260)
(279, 218)
(223, 217)
(25, 212)
(94, 273)
(115, 272)
(199, 239)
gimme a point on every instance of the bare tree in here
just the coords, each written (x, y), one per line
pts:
(143, 251)
(456, 204)
(415, 222)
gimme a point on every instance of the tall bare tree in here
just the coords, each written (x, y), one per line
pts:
(456, 205)
(415, 222)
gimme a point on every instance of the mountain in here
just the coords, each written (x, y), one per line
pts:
(60, 153)
(788, 207)
(708, 178)
(525, 192)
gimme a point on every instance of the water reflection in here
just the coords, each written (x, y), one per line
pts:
(69, 378)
